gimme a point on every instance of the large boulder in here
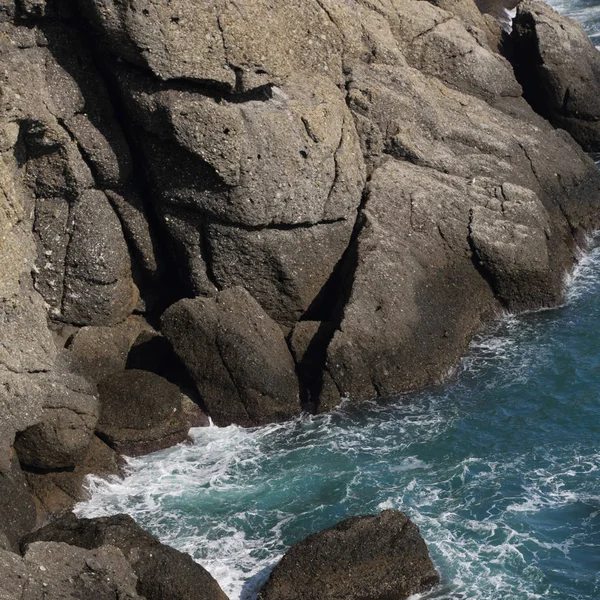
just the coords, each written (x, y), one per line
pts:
(55, 571)
(140, 412)
(373, 557)
(559, 68)
(61, 437)
(237, 356)
(163, 573)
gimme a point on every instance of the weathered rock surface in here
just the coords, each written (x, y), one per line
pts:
(140, 412)
(54, 571)
(341, 174)
(98, 351)
(58, 491)
(17, 507)
(163, 573)
(61, 437)
(237, 356)
(368, 558)
(559, 69)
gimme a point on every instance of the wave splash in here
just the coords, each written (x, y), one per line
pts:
(499, 468)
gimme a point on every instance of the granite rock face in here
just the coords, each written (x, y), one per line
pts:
(559, 68)
(237, 356)
(373, 557)
(312, 189)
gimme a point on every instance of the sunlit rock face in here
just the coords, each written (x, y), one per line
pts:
(367, 182)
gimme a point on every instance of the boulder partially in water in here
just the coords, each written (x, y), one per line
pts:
(375, 557)
(237, 356)
(163, 573)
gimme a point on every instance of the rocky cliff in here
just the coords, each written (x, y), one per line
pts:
(263, 207)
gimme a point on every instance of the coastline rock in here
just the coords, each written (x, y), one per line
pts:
(163, 573)
(373, 557)
(55, 571)
(61, 437)
(98, 351)
(59, 491)
(559, 68)
(140, 412)
(237, 356)
(17, 507)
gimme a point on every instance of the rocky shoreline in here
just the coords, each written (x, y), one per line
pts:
(246, 211)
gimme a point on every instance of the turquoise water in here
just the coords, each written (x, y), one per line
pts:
(500, 467)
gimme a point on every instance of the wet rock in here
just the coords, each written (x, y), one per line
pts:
(236, 355)
(368, 558)
(559, 69)
(140, 413)
(163, 573)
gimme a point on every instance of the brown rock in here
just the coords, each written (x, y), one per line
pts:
(237, 356)
(362, 558)
(559, 69)
(140, 413)
(163, 573)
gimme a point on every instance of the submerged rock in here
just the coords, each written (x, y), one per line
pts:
(376, 557)
(163, 573)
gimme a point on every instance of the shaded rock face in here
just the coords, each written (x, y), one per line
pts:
(237, 356)
(162, 572)
(364, 558)
(58, 491)
(559, 68)
(17, 508)
(140, 413)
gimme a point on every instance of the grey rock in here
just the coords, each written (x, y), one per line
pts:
(56, 571)
(560, 70)
(61, 437)
(99, 351)
(211, 42)
(236, 355)
(57, 492)
(163, 573)
(283, 269)
(99, 289)
(372, 557)
(140, 413)
(17, 507)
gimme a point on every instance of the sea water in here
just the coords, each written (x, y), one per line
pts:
(500, 467)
